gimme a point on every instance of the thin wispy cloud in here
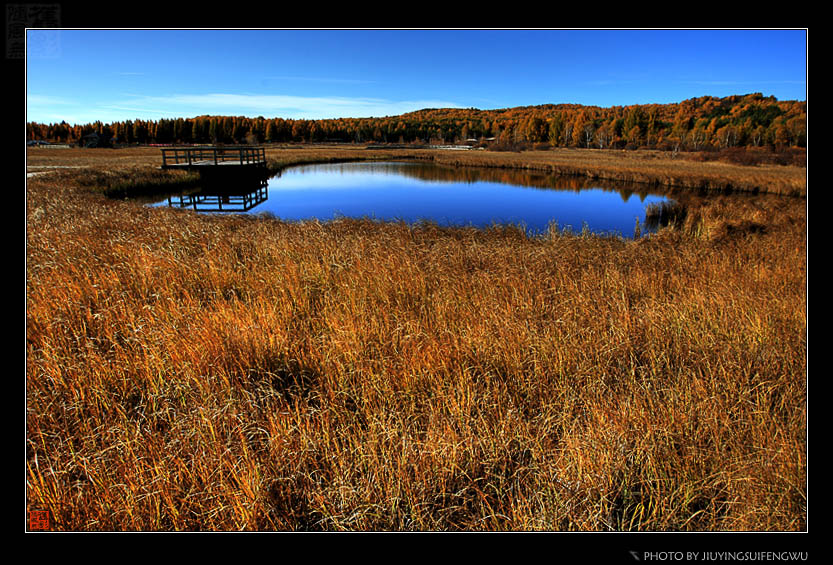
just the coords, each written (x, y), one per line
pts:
(320, 79)
(609, 82)
(46, 100)
(272, 105)
(50, 109)
(739, 82)
(134, 106)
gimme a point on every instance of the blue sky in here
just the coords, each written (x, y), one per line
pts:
(81, 75)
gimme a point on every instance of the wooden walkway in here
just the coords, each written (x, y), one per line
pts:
(209, 158)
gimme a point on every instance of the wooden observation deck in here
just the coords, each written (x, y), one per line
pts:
(216, 159)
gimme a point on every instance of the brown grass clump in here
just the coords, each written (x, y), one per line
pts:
(189, 372)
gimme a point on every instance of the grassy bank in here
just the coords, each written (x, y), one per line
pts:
(223, 373)
(655, 168)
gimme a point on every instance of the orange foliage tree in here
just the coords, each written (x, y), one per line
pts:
(694, 124)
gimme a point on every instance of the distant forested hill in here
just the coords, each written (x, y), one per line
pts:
(750, 120)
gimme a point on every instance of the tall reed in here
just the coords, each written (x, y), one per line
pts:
(188, 372)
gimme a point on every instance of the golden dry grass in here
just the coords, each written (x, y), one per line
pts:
(188, 372)
(660, 168)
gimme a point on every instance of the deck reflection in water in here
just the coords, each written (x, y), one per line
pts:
(218, 200)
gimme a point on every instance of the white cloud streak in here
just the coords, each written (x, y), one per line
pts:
(319, 79)
(298, 107)
(742, 83)
(189, 105)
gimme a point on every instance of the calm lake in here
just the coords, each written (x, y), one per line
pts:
(416, 191)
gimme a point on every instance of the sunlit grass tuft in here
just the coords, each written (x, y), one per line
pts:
(189, 372)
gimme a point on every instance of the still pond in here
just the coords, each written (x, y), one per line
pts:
(417, 191)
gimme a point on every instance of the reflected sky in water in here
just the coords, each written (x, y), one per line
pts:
(413, 191)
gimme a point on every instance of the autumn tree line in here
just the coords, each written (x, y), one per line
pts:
(697, 124)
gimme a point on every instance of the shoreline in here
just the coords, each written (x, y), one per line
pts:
(646, 167)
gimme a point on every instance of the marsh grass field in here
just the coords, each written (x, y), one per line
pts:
(203, 372)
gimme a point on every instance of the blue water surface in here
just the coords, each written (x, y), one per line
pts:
(415, 191)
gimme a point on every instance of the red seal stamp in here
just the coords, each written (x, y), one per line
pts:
(39, 519)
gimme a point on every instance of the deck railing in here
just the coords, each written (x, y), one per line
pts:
(194, 156)
(206, 201)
